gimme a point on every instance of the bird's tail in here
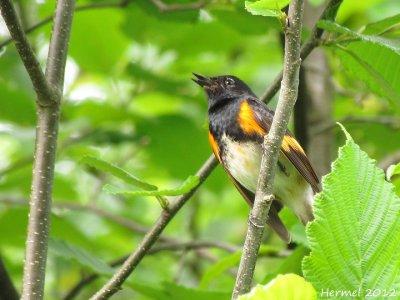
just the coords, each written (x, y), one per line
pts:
(304, 211)
(276, 224)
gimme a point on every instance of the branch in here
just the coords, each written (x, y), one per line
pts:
(45, 149)
(124, 222)
(7, 288)
(193, 245)
(271, 146)
(113, 285)
(178, 246)
(121, 4)
(391, 121)
(78, 8)
(329, 13)
(45, 94)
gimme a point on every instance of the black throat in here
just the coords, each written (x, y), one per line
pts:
(223, 119)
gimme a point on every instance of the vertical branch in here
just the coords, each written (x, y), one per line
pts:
(46, 142)
(329, 13)
(48, 88)
(318, 96)
(271, 146)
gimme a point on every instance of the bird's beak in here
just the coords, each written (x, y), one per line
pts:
(202, 80)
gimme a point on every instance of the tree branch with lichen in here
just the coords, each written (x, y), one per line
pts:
(48, 87)
(271, 146)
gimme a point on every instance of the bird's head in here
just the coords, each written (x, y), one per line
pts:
(222, 88)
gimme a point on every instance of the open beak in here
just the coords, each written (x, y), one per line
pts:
(202, 80)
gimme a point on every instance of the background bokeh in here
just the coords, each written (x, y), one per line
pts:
(129, 100)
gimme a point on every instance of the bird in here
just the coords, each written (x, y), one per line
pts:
(238, 122)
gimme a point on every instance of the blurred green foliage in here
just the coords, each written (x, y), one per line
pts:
(129, 100)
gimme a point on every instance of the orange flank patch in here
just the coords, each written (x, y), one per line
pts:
(214, 145)
(289, 143)
(247, 121)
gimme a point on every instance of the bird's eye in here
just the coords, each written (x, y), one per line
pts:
(229, 82)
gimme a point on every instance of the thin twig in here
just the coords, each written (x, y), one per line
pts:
(329, 13)
(391, 121)
(78, 8)
(113, 285)
(197, 246)
(272, 143)
(46, 142)
(45, 94)
(104, 5)
(117, 219)
(192, 245)
(169, 242)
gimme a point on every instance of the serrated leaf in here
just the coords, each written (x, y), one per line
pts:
(107, 167)
(382, 25)
(335, 27)
(373, 59)
(355, 236)
(289, 286)
(187, 185)
(266, 8)
(66, 250)
(363, 70)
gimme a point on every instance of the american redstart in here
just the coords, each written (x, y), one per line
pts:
(238, 122)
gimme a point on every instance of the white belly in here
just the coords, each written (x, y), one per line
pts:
(243, 160)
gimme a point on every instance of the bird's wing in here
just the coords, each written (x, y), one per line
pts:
(273, 218)
(262, 118)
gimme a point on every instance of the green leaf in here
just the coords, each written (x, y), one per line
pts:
(373, 59)
(17, 106)
(392, 170)
(219, 268)
(291, 264)
(334, 27)
(316, 2)
(289, 286)
(66, 250)
(228, 262)
(97, 43)
(172, 291)
(393, 174)
(382, 25)
(364, 70)
(266, 8)
(104, 166)
(187, 185)
(356, 232)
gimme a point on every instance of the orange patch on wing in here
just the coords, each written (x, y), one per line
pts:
(247, 121)
(214, 145)
(289, 143)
